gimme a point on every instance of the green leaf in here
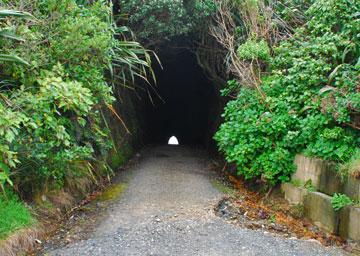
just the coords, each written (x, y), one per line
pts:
(13, 13)
(333, 73)
(9, 34)
(4, 168)
(12, 58)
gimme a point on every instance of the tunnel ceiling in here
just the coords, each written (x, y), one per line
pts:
(188, 104)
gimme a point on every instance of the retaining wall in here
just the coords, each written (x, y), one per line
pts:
(313, 184)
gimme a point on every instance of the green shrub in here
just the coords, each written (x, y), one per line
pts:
(157, 20)
(51, 120)
(311, 98)
(54, 100)
(256, 140)
(252, 50)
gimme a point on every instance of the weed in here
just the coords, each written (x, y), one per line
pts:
(339, 201)
(272, 218)
(309, 186)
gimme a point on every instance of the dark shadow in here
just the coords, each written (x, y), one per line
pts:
(189, 101)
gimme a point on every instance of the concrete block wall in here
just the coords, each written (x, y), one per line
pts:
(293, 194)
(352, 188)
(349, 223)
(317, 204)
(319, 210)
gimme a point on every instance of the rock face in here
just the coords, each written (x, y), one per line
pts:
(324, 179)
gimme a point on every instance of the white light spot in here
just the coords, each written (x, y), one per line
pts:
(173, 141)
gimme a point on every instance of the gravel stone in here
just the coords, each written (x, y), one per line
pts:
(176, 192)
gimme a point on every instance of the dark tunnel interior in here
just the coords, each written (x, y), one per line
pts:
(188, 108)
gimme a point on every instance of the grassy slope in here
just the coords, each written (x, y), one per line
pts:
(13, 215)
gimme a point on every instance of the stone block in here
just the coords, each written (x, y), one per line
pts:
(330, 181)
(322, 174)
(319, 210)
(349, 226)
(308, 169)
(351, 188)
(293, 194)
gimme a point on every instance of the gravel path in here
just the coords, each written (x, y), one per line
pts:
(167, 209)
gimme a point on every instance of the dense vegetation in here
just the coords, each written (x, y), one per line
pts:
(156, 21)
(59, 69)
(308, 99)
(292, 70)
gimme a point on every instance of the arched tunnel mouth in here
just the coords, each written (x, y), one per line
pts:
(186, 103)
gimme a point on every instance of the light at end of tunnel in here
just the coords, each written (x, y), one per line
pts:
(173, 141)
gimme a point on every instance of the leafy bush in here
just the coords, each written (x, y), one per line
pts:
(52, 121)
(255, 139)
(156, 20)
(311, 98)
(252, 50)
(339, 201)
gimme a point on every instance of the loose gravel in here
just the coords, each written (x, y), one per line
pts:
(168, 209)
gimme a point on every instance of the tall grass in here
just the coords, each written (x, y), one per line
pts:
(13, 215)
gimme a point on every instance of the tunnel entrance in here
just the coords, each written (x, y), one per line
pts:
(188, 104)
